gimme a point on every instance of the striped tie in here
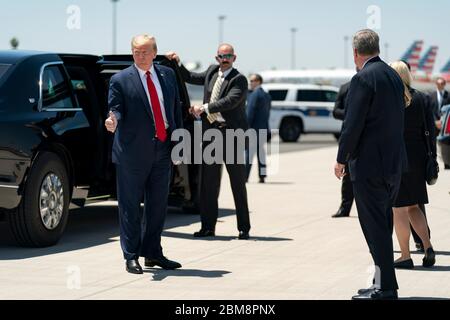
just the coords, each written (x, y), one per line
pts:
(215, 95)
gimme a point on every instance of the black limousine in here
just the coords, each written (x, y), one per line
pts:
(54, 149)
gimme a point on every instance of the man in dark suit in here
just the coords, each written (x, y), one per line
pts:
(225, 93)
(373, 146)
(438, 99)
(347, 187)
(144, 111)
(258, 113)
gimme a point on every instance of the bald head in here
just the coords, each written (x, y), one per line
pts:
(225, 56)
(226, 46)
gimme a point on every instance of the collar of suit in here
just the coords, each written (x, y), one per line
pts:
(371, 60)
(225, 73)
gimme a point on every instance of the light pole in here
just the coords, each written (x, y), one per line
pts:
(114, 22)
(346, 38)
(386, 52)
(293, 32)
(221, 19)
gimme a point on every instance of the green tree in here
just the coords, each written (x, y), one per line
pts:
(14, 43)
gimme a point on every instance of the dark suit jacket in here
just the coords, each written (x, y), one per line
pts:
(372, 137)
(258, 109)
(232, 98)
(134, 138)
(339, 106)
(434, 103)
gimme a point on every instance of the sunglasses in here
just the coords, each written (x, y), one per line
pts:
(228, 56)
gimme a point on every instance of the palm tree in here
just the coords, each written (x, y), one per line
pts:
(14, 43)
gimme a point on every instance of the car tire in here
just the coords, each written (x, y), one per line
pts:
(41, 217)
(447, 166)
(337, 136)
(290, 129)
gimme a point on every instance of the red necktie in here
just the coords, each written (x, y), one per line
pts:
(161, 133)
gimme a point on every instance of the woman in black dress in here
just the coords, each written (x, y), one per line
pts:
(413, 189)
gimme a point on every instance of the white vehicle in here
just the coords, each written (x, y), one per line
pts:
(302, 108)
(329, 77)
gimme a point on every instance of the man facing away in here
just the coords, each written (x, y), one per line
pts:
(373, 146)
(144, 111)
(258, 113)
(347, 187)
(225, 93)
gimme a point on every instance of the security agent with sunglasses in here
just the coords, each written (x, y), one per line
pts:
(225, 94)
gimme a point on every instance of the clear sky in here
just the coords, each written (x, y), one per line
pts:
(259, 30)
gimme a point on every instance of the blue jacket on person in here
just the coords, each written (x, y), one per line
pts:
(258, 109)
(134, 138)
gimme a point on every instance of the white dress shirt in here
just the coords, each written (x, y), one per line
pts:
(440, 97)
(155, 80)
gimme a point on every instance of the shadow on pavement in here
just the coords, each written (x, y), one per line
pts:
(423, 298)
(189, 236)
(432, 269)
(160, 274)
(438, 253)
(88, 227)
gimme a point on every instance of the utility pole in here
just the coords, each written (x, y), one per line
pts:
(114, 26)
(293, 32)
(346, 38)
(221, 27)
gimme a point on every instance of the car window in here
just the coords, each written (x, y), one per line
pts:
(278, 95)
(316, 96)
(3, 69)
(330, 96)
(55, 89)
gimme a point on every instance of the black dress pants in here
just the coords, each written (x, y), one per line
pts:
(210, 185)
(374, 199)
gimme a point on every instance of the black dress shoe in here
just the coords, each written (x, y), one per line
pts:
(162, 262)
(133, 266)
(405, 264)
(341, 213)
(204, 233)
(430, 258)
(377, 294)
(243, 235)
(366, 291)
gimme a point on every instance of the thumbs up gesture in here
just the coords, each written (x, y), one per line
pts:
(111, 122)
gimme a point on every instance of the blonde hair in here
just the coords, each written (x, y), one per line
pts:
(402, 69)
(143, 38)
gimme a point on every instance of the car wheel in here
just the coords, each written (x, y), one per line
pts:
(447, 166)
(290, 129)
(41, 217)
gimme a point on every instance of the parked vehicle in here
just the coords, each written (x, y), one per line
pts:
(302, 108)
(54, 148)
(444, 136)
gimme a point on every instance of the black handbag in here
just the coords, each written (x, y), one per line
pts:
(432, 166)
